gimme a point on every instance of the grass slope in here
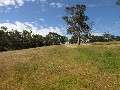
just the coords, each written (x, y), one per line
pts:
(65, 67)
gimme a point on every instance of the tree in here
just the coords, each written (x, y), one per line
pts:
(63, 39)
(37, 40)
(117, 38)
(14, 39)
(76, 20)
(73, 39)
(106, 36)
(4, 28)
(26, 39)
(118, 2)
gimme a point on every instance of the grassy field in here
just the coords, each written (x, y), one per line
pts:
(66, 67)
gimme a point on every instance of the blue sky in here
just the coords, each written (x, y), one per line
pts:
(43, 16)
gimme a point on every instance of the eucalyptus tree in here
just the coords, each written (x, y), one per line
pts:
(118, 2)
(73, 39)
(76, 19)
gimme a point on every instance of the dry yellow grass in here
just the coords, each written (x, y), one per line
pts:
(65, 67)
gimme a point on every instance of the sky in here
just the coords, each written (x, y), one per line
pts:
(44, 16)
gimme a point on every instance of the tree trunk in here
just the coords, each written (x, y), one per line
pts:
(79, 41)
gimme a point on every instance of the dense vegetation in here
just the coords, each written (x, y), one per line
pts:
(14, 40)
(88, 38)
(65, 67)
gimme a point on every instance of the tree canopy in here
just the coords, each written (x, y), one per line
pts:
(15, 40)
(76, 19)
(118, 2)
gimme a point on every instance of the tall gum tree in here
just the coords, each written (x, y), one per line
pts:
(76, 20)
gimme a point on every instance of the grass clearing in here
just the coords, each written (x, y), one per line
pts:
(64, 67)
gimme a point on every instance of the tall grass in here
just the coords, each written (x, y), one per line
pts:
(85, 67)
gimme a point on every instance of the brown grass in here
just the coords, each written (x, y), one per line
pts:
(62, 67)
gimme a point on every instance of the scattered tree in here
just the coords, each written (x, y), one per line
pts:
(76, 20)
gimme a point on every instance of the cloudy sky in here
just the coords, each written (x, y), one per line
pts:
(43, 16)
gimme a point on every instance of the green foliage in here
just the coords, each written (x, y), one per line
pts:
(73, 39)
(55, 39)
(63, 39)
(76, 20)
(118, 2)
(15, 40)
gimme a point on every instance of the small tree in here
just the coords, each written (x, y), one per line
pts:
(76, 20)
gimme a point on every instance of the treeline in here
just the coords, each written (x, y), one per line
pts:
(88, 38)
(15, 40)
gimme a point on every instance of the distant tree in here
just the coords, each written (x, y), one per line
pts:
(106, 36)
(117, 38)
(52, 39)
(76, 20)
(55, 39)
(85, 37)
(2, 40)
(112, 38)
(4, 28)
(37, 40)
(63, 39)
(14, 39)
(26, 39)
(96, 38)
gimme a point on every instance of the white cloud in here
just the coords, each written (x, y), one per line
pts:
(92, 5)
(41, 19)
(97, 34)
(20, 2)
(58, 5)
(30, 26)
(7, 2)
(14, 2)
(10, 2)
(52, 4)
